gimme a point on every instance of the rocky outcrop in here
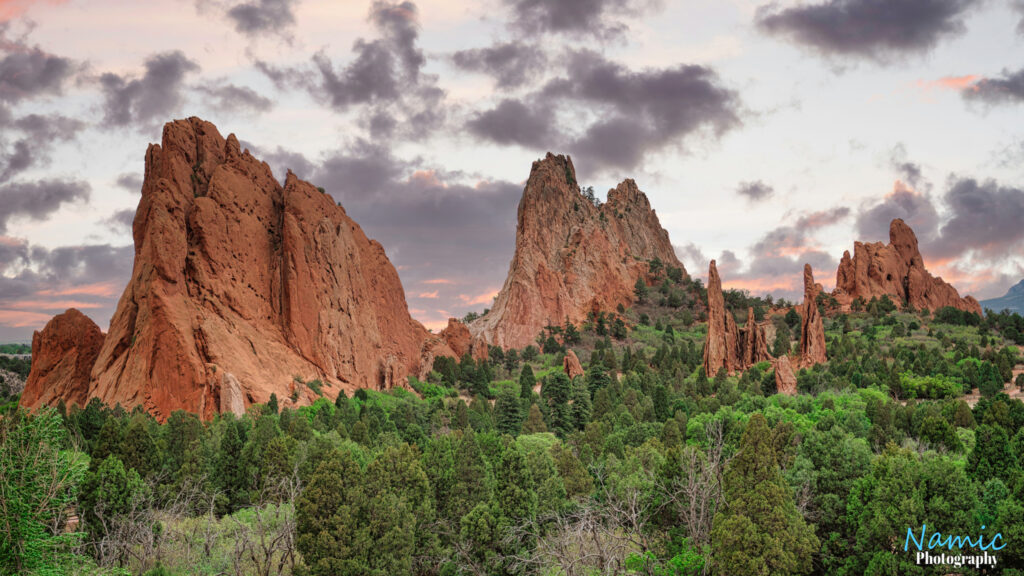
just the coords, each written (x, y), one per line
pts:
(461, 342)
(722, 345)
(63, 354)
(755, 341)
(242, 286)
(727, 346)
(785, 379)
(812, 331)
(896, 270)
(572, 257)
(571, 365)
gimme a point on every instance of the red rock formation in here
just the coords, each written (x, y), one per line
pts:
(62, 358)
(572, 257)
(571, 365)
(241, 285)
(754, 342)
(458, 338)
(722, 345)
(812, 332)
(897, 270)
(725, 345)
(785, 380)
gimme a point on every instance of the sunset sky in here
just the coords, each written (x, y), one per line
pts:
(765, 135)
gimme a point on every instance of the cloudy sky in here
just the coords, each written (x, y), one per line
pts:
(766, 135)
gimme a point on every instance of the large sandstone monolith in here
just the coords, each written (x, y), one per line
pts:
(243, 287)
(896, 270)
(572, 256)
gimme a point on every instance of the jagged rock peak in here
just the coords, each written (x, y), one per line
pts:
(243, 287)
(573, 255)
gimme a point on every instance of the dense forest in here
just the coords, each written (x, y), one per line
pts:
(643, 465)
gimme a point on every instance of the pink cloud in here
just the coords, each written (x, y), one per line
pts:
(949, 83)
(51, 305)
(430, 295)
(439, 281)
(13, 8)
(101, 289)
(22, 319)
(484, 298)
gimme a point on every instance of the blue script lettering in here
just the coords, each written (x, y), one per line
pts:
(937, 540)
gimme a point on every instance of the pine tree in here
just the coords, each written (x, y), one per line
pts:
(507, 416)
(526, 382)
(534, 421)
(470, 486)
(580, 409)
(759, 530)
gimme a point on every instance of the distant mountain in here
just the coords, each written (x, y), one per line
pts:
(1013, 300)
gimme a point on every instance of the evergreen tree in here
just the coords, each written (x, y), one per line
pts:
(470, 487)
(759, 530)
(580, 408)
(507, 417)
(232, 473)
(534, 423)
(526, 382)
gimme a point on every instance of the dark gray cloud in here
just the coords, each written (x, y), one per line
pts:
(915, 208)
(381, 68)
(910, 172)
(281, 161)
(28, 141)
(151, 98)
(641, 111)
(225, 97)
(511, 64)
(130, 181)
(28, 71)
(878, 30)
(37, 200)
(384, 77)
(121, 220)
(598, 18)
(1019, 5)
(755, 191)
(632, 113)
(985, 221)
(1006, 89)
(259, 17)
(513, 122)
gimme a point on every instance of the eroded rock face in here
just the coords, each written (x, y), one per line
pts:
(895, 269)
(727, 346)
(458, 338)
(785, 379)
(755, 341)
(241, 284)
(571, 365)
(812, 331)
(722, 345)
(571, 256)
(63, 354)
